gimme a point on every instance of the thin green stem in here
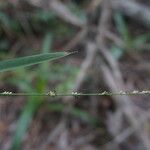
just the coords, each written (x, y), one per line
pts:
(76, 94)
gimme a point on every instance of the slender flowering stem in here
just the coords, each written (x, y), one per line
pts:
(55, 94)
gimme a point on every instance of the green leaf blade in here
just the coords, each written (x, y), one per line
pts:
(30, 60)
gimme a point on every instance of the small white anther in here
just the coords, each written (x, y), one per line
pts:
(51, 93)
(74, 93)
(145, 92)
(135, 92)
(7, 93)
(122, 92)
(104, 93)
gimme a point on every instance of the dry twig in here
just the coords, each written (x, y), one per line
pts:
(133, 10)
(115, 81)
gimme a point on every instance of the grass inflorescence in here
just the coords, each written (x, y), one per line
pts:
(55, 94)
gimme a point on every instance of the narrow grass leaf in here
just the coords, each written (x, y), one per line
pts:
(24, 121)
(122, 28)
(76, 112)
(30, 60)
(142, 39)
(47, 42)
(46, 48)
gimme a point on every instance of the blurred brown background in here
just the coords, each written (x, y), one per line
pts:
(112, 38)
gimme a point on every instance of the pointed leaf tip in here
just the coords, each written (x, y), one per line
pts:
(73, 52)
